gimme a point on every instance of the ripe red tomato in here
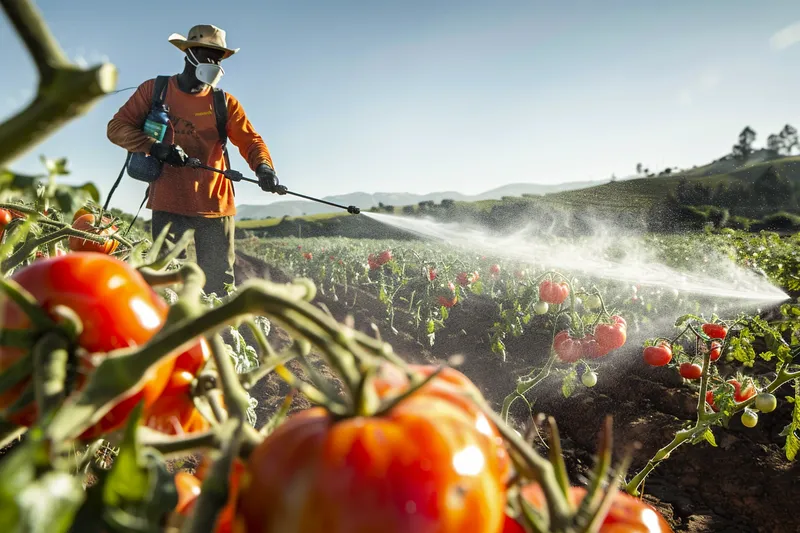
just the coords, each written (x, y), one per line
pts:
(741, 395)
(626, 515)
(420, 468)
(611, 336)
(188, 487)
(87, 223)
(715, 331)
(710, 400)
(465, 279)
(5, 218)
(448, 298)
(690, 371)
(431, 274)
(226, 516)
(174, 412)
(568, 350)
(118, 309)
(590, 347)
(716, 350)
(372, 262)
(511, 526)
(658, 355)
(384, 257)
(553, 293)
(494, 270)
(448, 386)
(80, 212)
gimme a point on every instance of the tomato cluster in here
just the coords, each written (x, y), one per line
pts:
(553, 293)
(464, 279)
(449, 298)
(606, 338)
(432, 463)
(88, 222)
(375, 262)
(739, 394)
(117, 309)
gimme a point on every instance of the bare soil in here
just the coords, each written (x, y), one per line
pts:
(743, 485)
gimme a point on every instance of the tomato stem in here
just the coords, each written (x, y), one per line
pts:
(214, 491)
(236, 399)
(536, 467)
(170, 446)
(28, 304)
(602, 464)
(50, 356)
(557, 459)
(30, 245)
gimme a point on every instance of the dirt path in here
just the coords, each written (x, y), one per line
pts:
(743, 485)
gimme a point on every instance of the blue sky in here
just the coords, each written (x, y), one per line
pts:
(425, 96)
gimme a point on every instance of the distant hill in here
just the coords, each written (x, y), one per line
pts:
(365, 201)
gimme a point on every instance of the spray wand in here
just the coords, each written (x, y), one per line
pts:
(193, 162)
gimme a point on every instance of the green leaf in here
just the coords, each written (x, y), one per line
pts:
(90, 189)
(135, 495)
(706, 436)
(55, 166)
(30, 504)
(792, 432)
(681, 320)
(569, 384)
(127, 480)
(50, 503)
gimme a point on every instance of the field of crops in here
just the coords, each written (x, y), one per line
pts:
(532, 348)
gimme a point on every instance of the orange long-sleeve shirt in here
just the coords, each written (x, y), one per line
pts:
(189, 191)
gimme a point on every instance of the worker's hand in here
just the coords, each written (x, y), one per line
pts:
(268, 180)
(172, 154)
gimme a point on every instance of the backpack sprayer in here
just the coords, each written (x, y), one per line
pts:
(193, 162)
(148, 169)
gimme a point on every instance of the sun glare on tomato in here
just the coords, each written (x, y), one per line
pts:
(144, 311)
(469, 461)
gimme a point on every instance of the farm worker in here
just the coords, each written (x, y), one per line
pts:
(192, 198)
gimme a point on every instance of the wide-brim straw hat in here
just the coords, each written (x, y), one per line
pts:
(205, 35)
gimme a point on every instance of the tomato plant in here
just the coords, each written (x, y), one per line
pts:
(116, 308)
(87, 223)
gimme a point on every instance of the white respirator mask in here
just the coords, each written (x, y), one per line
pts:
(208, 73)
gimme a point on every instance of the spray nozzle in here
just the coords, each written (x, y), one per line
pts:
(353, 210)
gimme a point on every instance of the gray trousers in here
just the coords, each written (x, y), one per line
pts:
(213, 242)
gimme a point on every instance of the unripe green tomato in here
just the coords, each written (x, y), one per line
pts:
(766, 402)
(593, 302)
(589, 379)
(540, 308)
(749, 418)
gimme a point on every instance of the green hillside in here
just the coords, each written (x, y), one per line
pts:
(627, 201)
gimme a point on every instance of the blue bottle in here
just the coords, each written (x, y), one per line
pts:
(155, 125)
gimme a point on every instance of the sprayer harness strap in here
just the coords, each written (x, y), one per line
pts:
(220, 104)
(159, 93)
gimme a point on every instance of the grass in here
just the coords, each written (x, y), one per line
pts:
(272, 222)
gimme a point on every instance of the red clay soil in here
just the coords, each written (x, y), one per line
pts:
(743, 485)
